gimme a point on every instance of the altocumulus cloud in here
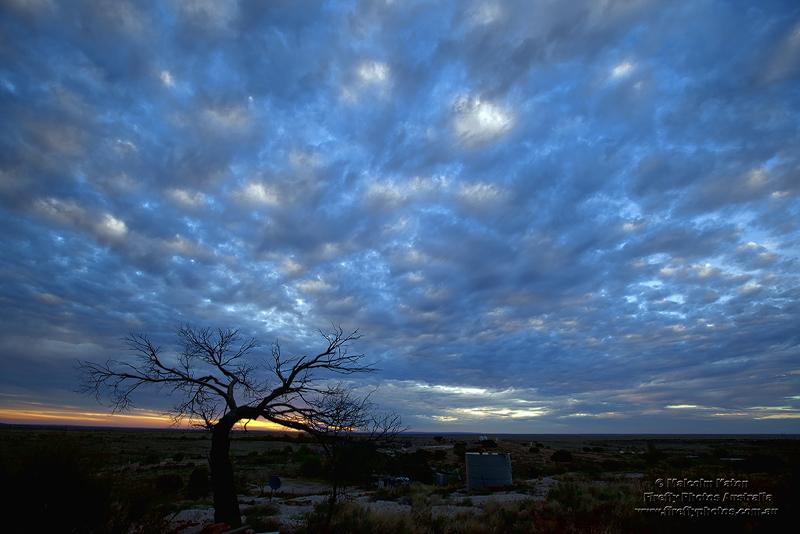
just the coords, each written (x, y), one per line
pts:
(544, 217)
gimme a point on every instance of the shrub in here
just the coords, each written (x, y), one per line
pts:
(561, 455)
(301, 453)
(570, 494)
(199, 483)
(534, 471)
(533, 450)
(170, 483)
(262, 524)
(59, 487)
(265, 509)
(152, 458)
(311, 466)
(178, 456)
(680, 462)
(763, 463)
(613, 465)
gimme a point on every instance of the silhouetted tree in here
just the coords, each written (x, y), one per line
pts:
(219, 386)
(341, 420)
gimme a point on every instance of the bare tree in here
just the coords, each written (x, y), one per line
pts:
(219, 386)
(340, 417)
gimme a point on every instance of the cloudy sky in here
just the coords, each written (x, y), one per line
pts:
(549, 216)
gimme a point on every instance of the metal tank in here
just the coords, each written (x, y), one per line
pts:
(486, 470)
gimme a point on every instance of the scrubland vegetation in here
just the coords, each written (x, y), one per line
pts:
(109, 481)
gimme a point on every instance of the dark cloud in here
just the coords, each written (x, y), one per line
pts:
(565, 217)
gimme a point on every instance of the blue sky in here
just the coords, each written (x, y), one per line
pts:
(572, 216)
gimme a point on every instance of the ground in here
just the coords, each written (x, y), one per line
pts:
(152, 480)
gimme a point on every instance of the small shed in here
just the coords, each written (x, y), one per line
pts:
(486, 470)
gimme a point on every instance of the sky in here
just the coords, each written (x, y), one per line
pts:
(542, 217)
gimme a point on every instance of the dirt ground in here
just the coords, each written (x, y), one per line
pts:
(304, 495)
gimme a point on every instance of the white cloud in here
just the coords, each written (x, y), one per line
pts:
(208, 13)
(167, 78)
(111, 227)
(373, 72)
(480, 194)
(233, 119)
(479, 121)
(622, 69)
(486, 12)
(60, 210)
(386, 195)
(786, 58)
(258, 193)
(190, 199)
(48, 298)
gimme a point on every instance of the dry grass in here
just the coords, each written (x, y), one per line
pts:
(589, 494)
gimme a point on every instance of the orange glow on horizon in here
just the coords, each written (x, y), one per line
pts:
(41, 414)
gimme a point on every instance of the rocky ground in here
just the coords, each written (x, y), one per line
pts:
(304, 495)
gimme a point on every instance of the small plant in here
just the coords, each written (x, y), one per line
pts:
(264, 524)
(460, 450)
(311, 466)
(561, 455)
(199, 483)
(169, 483)
(264, 509)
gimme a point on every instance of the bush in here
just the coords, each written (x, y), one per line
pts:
(178, 456)
(561, 455)
(152, 458)
(533, 450)
(460, 450)
(264, 524)
(301, 453)
(199, 483)
(311, 466)
(680, 462)
(59, 487)
(763, 463)
(613, 465)
(170, 483)
(534, 472)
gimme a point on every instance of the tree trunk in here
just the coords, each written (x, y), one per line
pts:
(226, 505)
(334, 488)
